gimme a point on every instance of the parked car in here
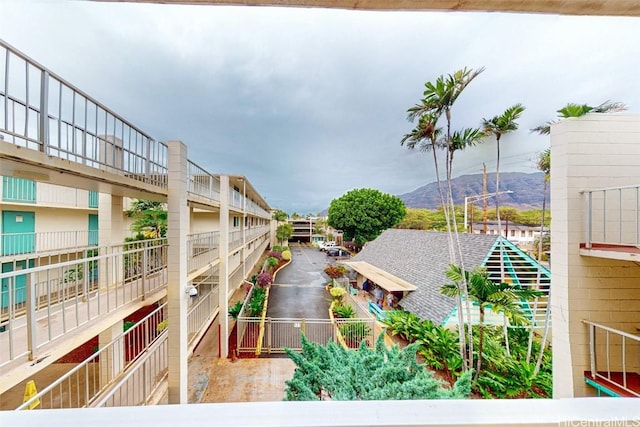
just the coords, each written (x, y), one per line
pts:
(337, 251)
(323, 246)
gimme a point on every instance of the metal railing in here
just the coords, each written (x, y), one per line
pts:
(38, 242)
(235, 239)
(236, 199)
(614, 355)
(202, 249)
(612, 216)
(41, 111)
(43, 303)
(202, 310)
(202, 183)
(82, 384)
(142, 380)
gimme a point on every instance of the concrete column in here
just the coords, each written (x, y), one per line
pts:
(177, 229)
(111, 362)
(111, 232)
(224, 266)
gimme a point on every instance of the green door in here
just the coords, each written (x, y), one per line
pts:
(93, 230)
(20, 289)
(18, 232)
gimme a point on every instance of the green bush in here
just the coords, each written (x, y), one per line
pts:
(272, 261)
(354, 332)
(234, 310)
(257, 302)
(286, 255)
(344, 311)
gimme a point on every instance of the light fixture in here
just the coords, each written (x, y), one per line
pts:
(191, 290)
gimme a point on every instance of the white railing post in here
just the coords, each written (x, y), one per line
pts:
(32, 344)
(43, 125)
(589, 219)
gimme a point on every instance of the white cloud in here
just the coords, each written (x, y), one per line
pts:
(311, 103)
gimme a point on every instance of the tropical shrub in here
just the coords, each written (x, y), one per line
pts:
(335, 271)
(272, 262)
(355, 333)
(256, 304)
(337, 295)
(336, 373)
(234, 310)
(343, 311)
(278, 248)
(275, 254)
(264, 279)
(286, 255)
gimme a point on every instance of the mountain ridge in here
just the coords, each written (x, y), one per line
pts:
(526, 190)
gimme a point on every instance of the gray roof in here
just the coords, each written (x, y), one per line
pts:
(421, 258)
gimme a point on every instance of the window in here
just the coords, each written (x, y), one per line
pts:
(523, 233)
(513, 233)
(236, 222)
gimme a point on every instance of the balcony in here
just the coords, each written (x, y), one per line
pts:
(612, 223)
(44, 242)
(615, 361)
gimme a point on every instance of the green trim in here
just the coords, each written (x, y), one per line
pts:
(600, 388)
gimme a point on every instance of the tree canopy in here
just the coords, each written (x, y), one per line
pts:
(284, 232)
(336, 373)
(280, 215)
(150, 218)
(362, 214)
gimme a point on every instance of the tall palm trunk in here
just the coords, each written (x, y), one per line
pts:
(538, 274)
(465, 291)
(501, 245)
(480, 342)
(466, 361)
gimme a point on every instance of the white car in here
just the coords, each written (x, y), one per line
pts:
(323, 246)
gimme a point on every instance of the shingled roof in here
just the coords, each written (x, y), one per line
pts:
(421, 258)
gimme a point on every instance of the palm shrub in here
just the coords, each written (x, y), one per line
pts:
(256, 304)
(355, 333)
(344, 311)
(234, 310)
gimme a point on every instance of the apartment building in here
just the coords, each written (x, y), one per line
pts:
(68, 276)
(595, 241)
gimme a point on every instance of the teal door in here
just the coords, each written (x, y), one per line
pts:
(93, 230)
(18, 232)
(20, 288)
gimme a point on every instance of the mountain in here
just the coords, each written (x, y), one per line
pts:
(527, 191)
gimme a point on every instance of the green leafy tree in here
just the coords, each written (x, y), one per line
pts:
(438, 99)
(362, 214)
(150, 218)
(284, 232)
(333, 372)
(488, 295)
(280, 216)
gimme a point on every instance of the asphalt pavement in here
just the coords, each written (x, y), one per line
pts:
(299, 288)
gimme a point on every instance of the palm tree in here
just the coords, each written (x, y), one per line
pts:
(579, 110)
(543, 164)
(439, 97)
(498, 126)
(486, 294)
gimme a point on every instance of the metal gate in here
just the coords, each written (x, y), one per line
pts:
(286, 333)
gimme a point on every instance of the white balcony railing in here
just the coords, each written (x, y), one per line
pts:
(47, 241)
(45, 113)
(201, 183)
(99, 370)
(44, 303)
(614, 356)
(202, 249)
(612, 216)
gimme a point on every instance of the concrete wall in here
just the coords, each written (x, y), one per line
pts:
(591, 152)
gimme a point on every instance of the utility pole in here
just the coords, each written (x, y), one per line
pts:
(484, 193)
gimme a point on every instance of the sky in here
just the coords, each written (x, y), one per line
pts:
(309, 104)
